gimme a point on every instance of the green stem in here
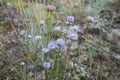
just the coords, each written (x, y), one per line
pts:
(49, 24)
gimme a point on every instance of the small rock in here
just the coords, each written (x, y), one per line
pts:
(22, 63)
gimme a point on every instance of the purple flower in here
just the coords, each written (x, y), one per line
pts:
(38, 37)
(31, 66)
(75, 28)
(70, 18)
(51, 46)
(45, 50)
(58, 28)
(64, 31)
(68, 42)
(60, 41)
(55, 43)
(46, 65)
(73, 36)
(63, 48)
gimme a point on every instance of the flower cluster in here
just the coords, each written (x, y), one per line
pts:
(59, 44)
(60, 41)
(51, 45)
(70, 18)
(74, 28)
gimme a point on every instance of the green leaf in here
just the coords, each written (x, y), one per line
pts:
(92, 51)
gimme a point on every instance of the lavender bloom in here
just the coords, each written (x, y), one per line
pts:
(68, 42)
(73, 36)
(63, 48)
(58, 28)
(45, 50)
(64, 31)
(46, 65)
(38, 37)
(75, 28)
(51, 46)
(31, 66)
(60, 41)
(55, 43)
(70, 18)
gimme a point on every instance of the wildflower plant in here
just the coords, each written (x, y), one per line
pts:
(70, 19)
(46, 65)
(49, 20)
